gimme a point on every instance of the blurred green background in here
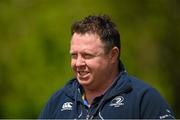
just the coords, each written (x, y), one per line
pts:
(34, 47)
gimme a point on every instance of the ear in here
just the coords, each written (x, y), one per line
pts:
(114, 54)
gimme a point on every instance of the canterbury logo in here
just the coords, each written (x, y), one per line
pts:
(67, 106)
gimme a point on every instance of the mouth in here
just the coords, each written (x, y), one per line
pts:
(82, 74)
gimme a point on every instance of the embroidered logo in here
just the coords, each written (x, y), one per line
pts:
(168, 115)
(117, 101)
(67, 106)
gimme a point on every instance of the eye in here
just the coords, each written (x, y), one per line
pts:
(74, 56)
(88, 56)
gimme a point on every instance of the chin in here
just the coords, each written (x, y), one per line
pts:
(84, 82)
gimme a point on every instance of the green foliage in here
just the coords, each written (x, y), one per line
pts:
(34, 47)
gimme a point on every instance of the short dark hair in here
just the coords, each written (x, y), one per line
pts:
(102, 26)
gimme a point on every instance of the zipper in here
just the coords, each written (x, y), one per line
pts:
(87, 117)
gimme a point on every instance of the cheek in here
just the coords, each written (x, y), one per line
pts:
(100, 66)
(95, 65)
(73, 64)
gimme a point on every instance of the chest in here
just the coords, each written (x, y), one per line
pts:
(118, 107)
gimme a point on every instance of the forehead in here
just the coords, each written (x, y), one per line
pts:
(86, 42)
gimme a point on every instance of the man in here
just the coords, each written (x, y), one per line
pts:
(102, 88)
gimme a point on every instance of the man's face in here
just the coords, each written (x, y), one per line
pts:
(89, 61)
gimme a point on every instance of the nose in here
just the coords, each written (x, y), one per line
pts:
(80, 61)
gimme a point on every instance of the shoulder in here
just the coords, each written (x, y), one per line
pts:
(65, 91)
(139, 87)
(143, 90)
(151, 103)
(138, 84)
(57, 99)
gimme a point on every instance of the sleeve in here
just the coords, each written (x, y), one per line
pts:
(153, 106)
(45, 113)
(48, 110)
(51, 107)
